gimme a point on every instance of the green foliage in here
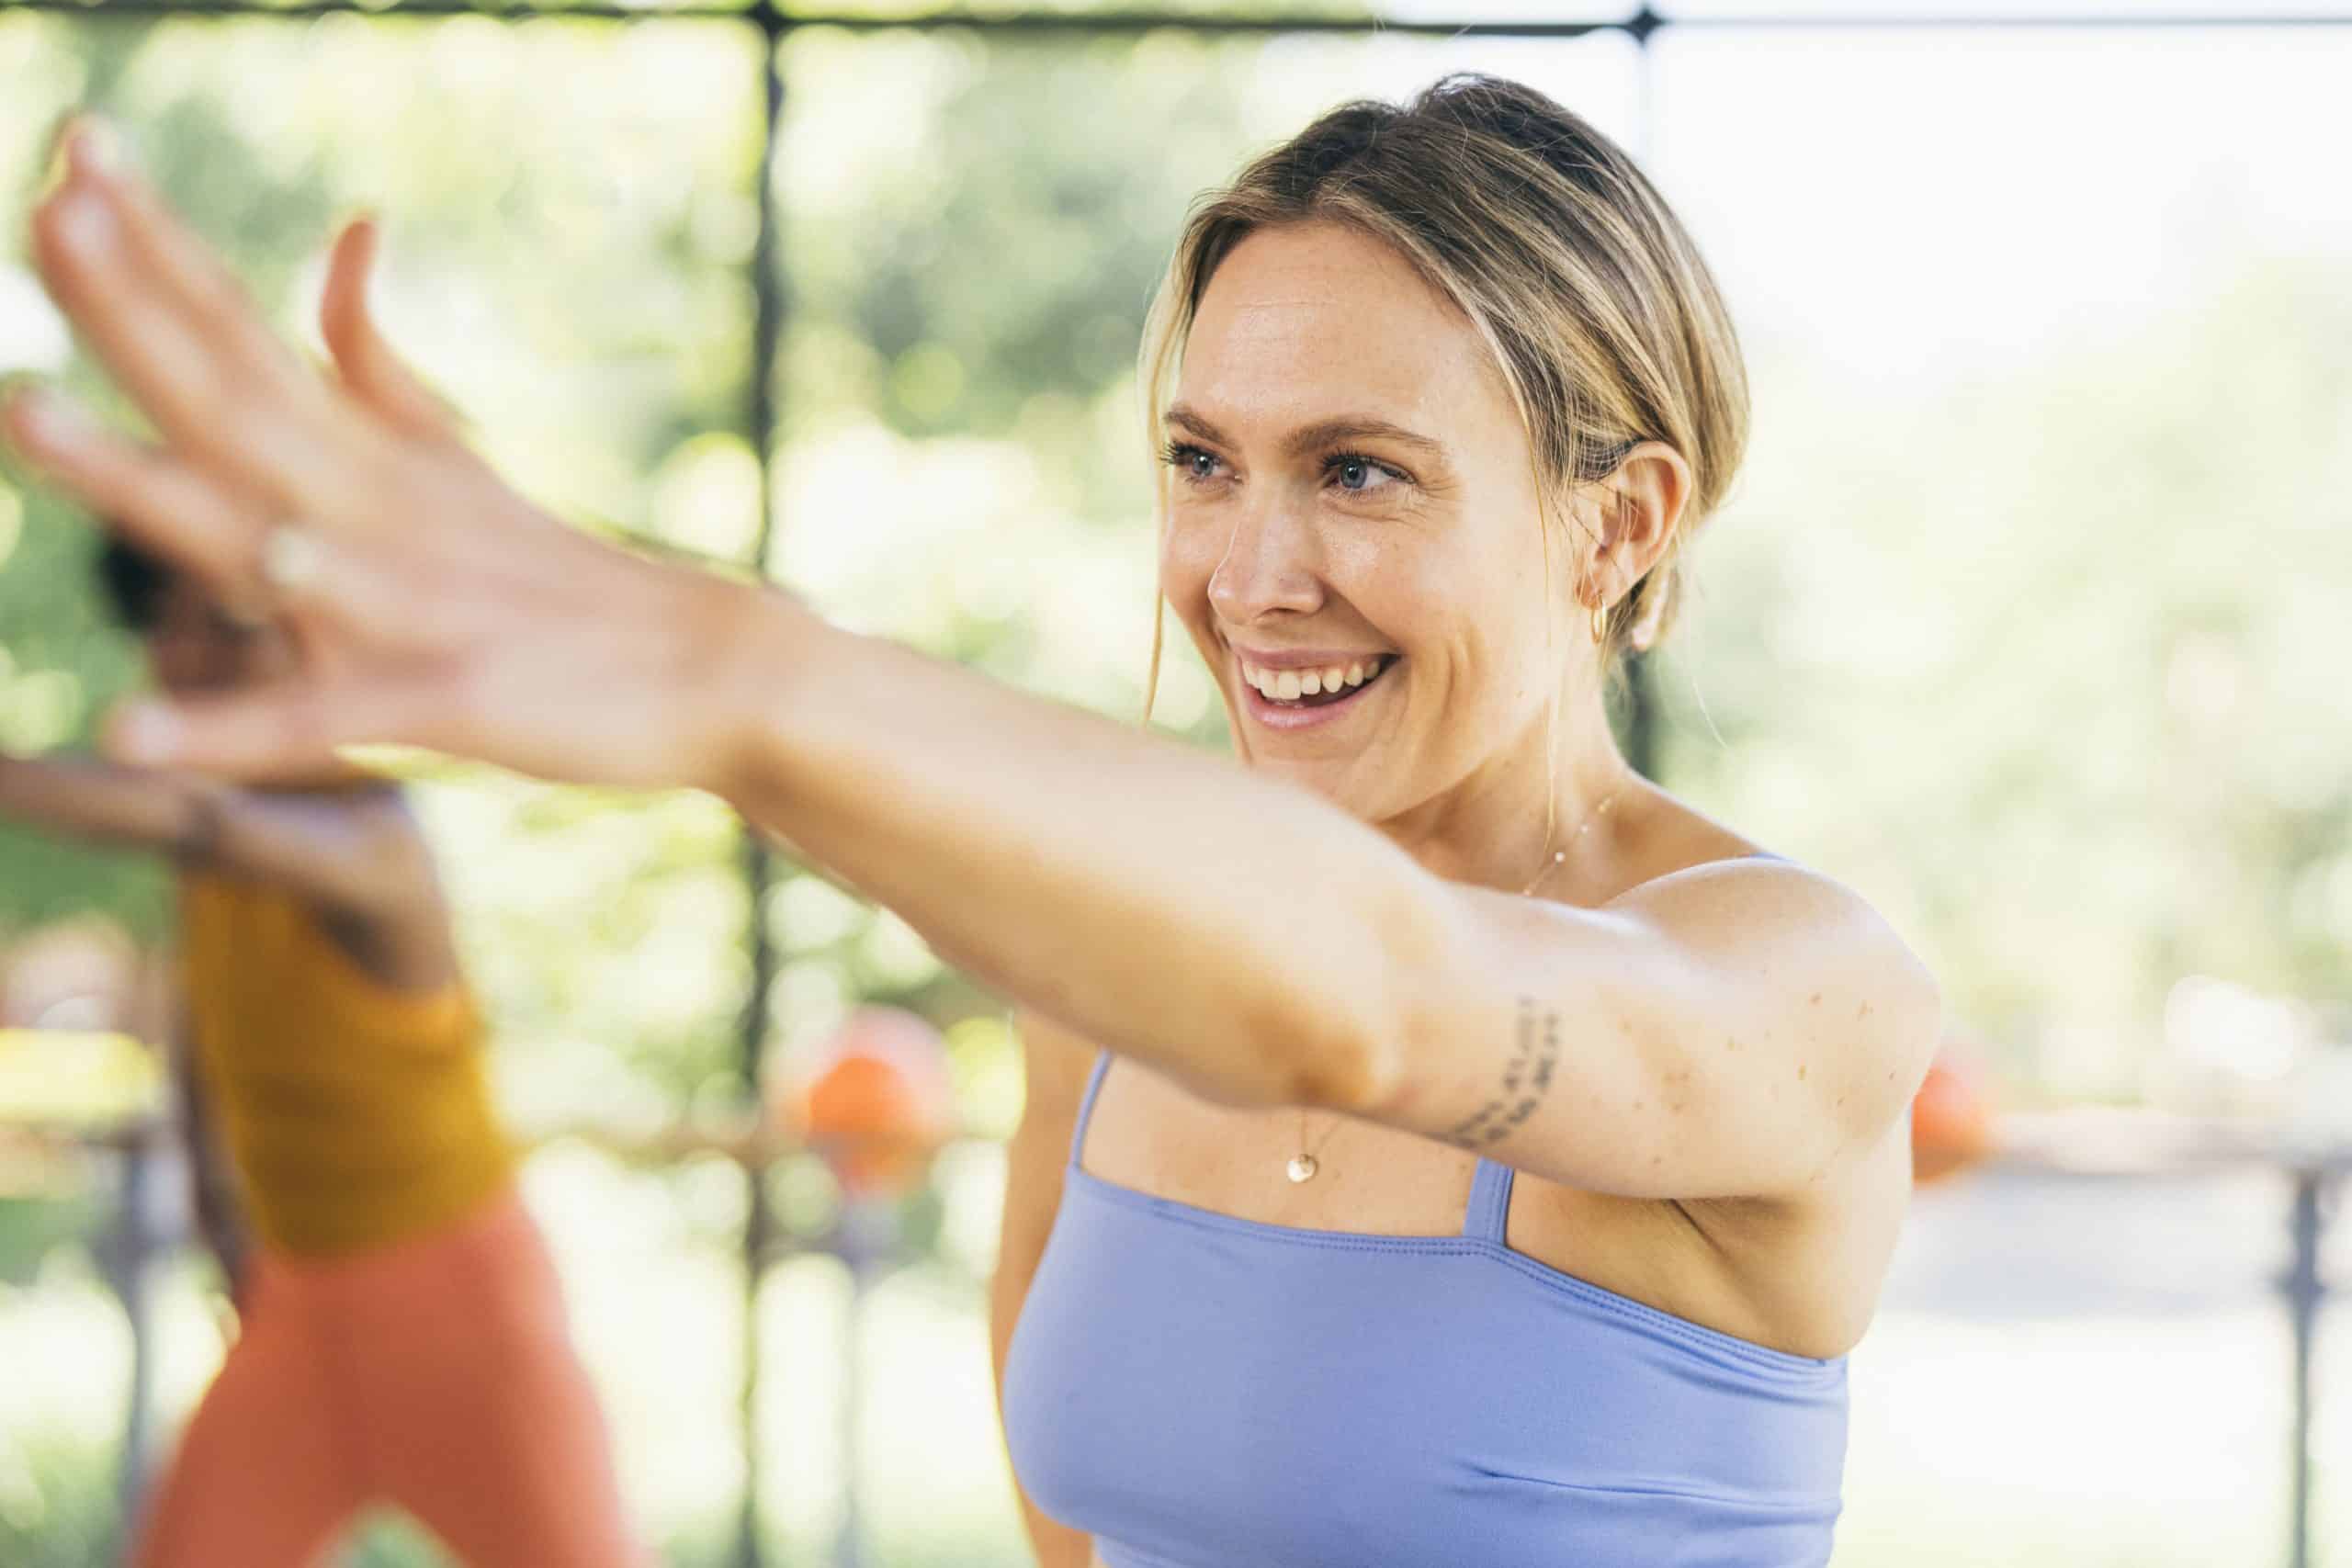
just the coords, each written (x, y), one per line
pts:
(2060, 695)
(31, 1227)
(387, 1539)
(57, 1500)
(62, 661)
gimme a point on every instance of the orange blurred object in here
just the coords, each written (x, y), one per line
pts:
(878, 1098)
(1951, 1118)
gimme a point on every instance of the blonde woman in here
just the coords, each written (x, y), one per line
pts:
(1444, 1146)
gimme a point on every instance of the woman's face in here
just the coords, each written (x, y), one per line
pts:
(1353, 491)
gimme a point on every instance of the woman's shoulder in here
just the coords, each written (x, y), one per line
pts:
(1693, 873)
(1672, 839)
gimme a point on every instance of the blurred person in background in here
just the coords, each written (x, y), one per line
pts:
(1442, 1144)
(402, 1335)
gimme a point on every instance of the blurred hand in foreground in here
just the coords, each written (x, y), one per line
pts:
(429, 604)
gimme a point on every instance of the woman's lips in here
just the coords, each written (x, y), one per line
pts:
(1286, 717)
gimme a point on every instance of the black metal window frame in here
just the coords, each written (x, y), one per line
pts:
(775, 25)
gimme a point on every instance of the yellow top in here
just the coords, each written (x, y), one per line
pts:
(355, 1114)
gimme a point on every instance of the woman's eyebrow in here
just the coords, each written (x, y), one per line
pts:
(1313, 438)
(1358, 427)
(1182, 416)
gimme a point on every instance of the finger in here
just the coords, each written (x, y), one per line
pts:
(376, 374)
(270, 434)
(286, 730)
(168, 507)
(188, 273)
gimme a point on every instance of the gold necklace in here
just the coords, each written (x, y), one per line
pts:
(1303, 1165)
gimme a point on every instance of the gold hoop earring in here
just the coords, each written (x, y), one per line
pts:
(1599, 624)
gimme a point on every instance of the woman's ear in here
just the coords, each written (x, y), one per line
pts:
(1643, 501)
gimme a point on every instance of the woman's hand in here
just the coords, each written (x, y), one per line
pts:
(430, 604)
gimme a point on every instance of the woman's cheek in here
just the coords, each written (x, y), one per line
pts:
(1188, 556)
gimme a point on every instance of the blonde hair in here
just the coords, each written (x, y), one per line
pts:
(1605, 322)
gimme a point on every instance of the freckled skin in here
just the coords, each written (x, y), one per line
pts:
(1303, 324)
(1434, 551)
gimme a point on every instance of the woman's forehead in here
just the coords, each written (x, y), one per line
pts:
(1308, 320)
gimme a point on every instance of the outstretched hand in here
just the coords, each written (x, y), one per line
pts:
(435, 607)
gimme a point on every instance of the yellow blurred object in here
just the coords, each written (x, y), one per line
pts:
(356, 1115)
(63, 1077)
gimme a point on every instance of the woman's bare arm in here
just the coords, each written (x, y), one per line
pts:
(354, 854)
(1243, 936)
(88, 799)
(1058, 1064)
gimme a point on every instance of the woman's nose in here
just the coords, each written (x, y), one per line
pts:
(1270, 563)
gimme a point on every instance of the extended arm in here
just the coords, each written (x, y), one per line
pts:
(1244, 936)
(106, 805)
(1733, 1030)
(354, 855)
(1057, 1065)
(345, 851)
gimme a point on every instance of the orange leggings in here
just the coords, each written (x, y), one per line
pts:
(435, 1374)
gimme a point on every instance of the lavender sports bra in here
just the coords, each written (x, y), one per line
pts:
(1198, 1390)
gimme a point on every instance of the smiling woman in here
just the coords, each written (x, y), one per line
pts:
(1432, 383)
(1450, 388)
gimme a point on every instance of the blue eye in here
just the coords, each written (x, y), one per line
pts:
(1197, 464)
(1358, 474)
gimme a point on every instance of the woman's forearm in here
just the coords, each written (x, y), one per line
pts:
(99, 802)
(1224, 926)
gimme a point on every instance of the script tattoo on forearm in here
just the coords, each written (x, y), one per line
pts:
(1527, 1079)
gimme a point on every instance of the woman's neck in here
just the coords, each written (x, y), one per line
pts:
(1491, 829)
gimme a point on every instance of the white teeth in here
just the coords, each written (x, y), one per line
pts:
(1289, 685)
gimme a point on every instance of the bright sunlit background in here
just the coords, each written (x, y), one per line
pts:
(2029, 621)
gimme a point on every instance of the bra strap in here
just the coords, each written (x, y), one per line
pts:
(1489, 1209)
(1086, 1106)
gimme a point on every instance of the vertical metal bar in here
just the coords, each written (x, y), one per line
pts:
(759, 861)
(129, 1255)
(864, 1239)
(2303, 1291)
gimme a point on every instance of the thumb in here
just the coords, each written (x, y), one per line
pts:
(370, 370)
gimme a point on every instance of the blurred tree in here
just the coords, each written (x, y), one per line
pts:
(2051, 662)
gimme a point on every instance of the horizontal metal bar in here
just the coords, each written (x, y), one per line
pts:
(1641, 25)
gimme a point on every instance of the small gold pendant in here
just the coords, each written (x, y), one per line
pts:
(1301, 1167)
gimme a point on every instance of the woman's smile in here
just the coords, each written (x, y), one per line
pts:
(1301, 692)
